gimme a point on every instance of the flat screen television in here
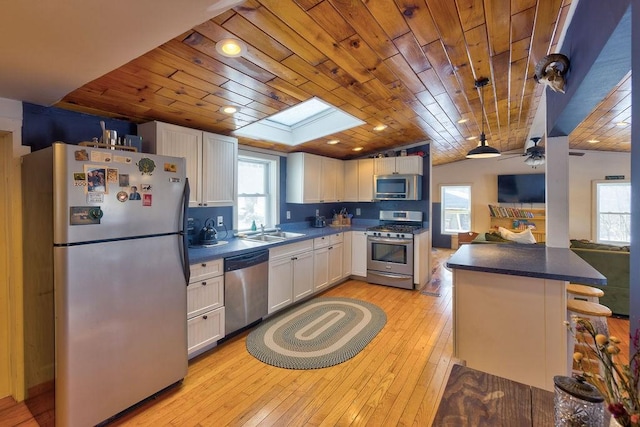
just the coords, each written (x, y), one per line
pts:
(522, 188)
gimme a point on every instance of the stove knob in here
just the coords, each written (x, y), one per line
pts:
(400, 236)
(388, 234)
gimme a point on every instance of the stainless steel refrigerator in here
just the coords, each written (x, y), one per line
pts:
(106, 269)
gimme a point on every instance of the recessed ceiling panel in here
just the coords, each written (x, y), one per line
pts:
(304, 122)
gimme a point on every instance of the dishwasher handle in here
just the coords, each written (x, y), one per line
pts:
(244, 261)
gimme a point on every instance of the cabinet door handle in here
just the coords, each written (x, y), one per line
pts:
(294, 258)
(330, 247)
(203, 264)
(204, 283)
(204, 317)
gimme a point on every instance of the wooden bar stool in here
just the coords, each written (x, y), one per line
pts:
(584, 292)
(596, 313)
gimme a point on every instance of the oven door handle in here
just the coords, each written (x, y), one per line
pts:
(392, 241)
(389, 275)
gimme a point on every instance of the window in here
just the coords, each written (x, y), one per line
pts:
(456, 208)
(612, 211)
(257, 190)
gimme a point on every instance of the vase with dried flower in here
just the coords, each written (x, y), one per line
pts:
(617, 382)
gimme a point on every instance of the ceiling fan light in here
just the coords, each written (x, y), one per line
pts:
(535, 161)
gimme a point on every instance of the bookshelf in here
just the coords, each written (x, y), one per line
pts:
(502, 216)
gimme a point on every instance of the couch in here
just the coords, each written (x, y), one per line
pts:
(613, 263)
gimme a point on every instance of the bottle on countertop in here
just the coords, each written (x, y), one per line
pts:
(253, 226)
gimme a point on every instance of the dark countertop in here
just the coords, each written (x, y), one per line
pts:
(526, 260)
(238, 246)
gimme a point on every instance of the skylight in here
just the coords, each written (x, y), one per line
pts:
(304, 122)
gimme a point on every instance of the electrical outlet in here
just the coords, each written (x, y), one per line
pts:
(288, 214)
(317, 212)
(220, 221)
(358, 211)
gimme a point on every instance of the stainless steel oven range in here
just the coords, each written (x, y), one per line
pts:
(390, 248)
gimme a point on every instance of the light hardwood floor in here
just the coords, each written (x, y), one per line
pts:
(397, 379)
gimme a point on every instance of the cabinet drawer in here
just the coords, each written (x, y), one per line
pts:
(335, 238)
(321, 242)
(290, 249)
(207, 269)
(205, 295)
(205, 330)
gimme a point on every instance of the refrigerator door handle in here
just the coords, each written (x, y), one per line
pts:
(185, 238)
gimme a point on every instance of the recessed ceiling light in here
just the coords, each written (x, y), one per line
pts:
(380, 128)
(333, 142)
(357, 149)
(231, 47)
(593, 141)
(461, 121)
(471, 138)
(229, 109)
(622, 123)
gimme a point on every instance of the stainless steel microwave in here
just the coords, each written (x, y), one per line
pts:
(397, 187)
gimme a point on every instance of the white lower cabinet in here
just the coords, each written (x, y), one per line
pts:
(327, 260)
(336, 258)
(205, 306)
(320, 268)
(302, 279)
(290, 274)
(346, 248)
(204, 331)
(359, 253)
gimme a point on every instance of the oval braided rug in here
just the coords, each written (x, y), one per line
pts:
(322, 332)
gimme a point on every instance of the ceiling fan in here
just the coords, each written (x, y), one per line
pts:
(534, 153)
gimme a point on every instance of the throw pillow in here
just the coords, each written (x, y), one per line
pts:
(523, 237)
(495, 237)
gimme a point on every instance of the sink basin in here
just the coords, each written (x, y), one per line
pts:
(265, 238)
(273, 236)
(285, 234)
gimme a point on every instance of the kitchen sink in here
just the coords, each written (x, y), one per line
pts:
(265, 238)
(273, 236)
(285, 234)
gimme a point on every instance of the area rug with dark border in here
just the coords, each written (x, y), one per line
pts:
(320, 333)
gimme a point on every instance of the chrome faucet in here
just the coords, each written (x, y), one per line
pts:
(262, 229)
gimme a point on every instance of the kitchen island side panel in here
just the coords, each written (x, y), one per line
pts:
(511, 326)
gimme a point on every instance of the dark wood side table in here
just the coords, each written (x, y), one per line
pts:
(475, 398)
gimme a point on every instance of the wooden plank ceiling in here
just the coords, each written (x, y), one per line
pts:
(407, 64)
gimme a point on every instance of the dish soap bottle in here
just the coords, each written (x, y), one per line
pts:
(253, 226)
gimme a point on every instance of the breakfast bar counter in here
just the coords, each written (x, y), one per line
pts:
(509, 309)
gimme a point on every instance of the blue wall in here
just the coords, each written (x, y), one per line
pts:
(42, 126)
(369, 210)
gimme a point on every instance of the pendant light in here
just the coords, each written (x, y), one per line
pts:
(482, 151)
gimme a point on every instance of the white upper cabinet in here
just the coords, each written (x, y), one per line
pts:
(314, 179)
(358, 180)
(219, 162)
(211, 160)
(398, 165)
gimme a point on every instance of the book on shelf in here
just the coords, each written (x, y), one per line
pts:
(508, 212)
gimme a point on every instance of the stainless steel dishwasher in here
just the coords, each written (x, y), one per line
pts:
(246, 289)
